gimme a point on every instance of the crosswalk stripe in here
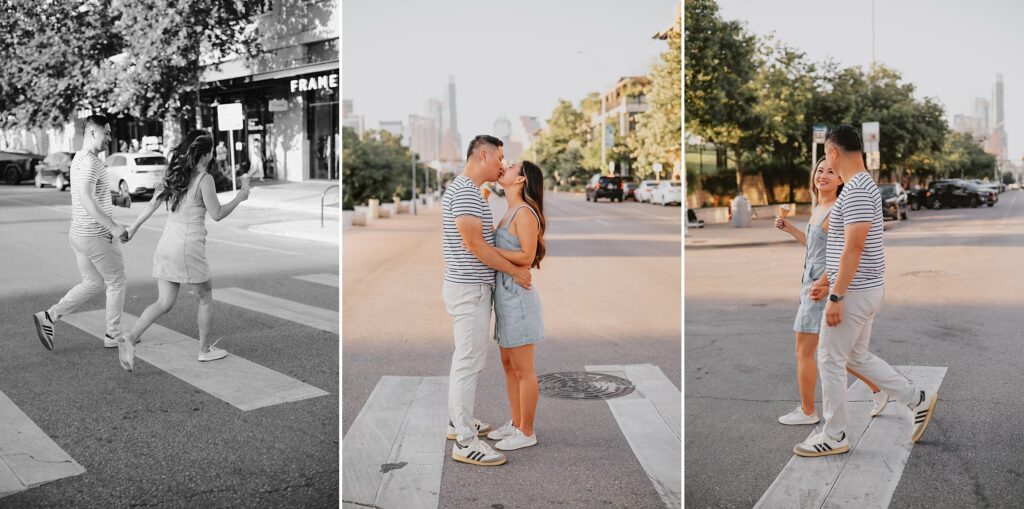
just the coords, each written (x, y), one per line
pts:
(650, 418)
(318, 318)
(28, 457)
(242, 383)
(393, 453)
(867, 476)
(323, 279)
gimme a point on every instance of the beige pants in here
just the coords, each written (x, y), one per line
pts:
(100, 263)
(470, 308)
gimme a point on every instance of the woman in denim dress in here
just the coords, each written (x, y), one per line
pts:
(826, 185)
(519, 237)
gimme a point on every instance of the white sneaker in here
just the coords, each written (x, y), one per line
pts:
(477, 453)
(109, 342)
(880, 399)
(481, 429)
(44, 328)
(822, 445)
(126, 353)
(922, 412)
(212, 355)
(798, 417)
(517, 441)
(506, 430)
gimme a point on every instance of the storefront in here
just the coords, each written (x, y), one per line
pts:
(291, 122)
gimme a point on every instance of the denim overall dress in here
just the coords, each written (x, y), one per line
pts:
(517, 311)
(808, 315)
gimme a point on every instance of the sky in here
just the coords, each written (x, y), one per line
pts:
(508, 58)
(951, 50)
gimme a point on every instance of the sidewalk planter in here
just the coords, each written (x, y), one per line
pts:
(365, 211)
(713, 215)
(388, 210)
(359, 218)
(374, 205)
(404, 207)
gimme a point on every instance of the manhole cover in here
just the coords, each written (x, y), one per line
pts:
(931, 273)
(583, 385)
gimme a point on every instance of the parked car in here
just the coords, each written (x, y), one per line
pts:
(135, 173)
(995, 186)
(629, 190)
(643, 191)
(894, 201)
(1014, 186)
(668, 192)
(602, 186)
(978, 195)
(55, 170)
(958, 193)
(17, 167)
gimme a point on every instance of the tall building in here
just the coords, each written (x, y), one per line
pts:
(620, 105)
(981, 109)
(451, 143)
(434, 110)
(423, 138)
(502, 129)
(350, 119)
(997, 142)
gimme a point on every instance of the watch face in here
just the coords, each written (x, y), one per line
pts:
(833, 298)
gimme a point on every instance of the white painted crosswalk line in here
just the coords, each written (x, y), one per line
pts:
(242, 383)
(322, 279)
(650, 419)
(867, 476)
(393, 454)
(28, 457)
(316, 317)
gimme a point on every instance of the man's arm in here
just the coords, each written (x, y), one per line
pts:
(856, 234)
(471, 229)
(86, 193)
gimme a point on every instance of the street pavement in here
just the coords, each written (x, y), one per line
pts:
(154, 437)
(610, 287)
(953, 299)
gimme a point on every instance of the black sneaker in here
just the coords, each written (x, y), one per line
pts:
(44, 328)
(922, 412)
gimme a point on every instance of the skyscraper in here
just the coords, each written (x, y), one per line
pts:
(997, 145)
(451, 144)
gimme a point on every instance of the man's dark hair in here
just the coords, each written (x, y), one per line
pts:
(479, 141)
(97, 120)
(846, 137)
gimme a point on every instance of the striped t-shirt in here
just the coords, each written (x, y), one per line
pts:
(87, 169)
(859, 202)
(462, 198)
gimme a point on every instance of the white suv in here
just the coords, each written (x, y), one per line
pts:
(135, 173)
(643, 192)
(668, 192)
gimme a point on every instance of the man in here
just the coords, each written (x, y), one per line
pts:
(470, 261)
(854, 267)
(222, 157)
(94, 238)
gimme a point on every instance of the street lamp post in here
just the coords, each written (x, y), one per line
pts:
(414, 183)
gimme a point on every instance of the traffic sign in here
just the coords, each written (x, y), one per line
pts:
(819, 132)
(229, 117)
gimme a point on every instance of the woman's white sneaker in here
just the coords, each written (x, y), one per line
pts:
(517, 441)
(880, 399)
(506, 430)
(821, 445)
(212, 355)
(798, 417)
(477, 453)
(481, 429)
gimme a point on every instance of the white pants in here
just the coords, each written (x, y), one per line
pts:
(100, 263)
(847, 345)
(470, 308)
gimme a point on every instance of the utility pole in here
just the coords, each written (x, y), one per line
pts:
(414, 183)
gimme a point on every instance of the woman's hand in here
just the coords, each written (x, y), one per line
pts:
(782, 224)
(131, 231)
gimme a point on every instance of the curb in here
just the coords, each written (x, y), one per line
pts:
(737, 244)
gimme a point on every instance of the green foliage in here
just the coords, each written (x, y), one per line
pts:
(378, 166)
(963, 158)
(1008, 178)
(559, 150)
(659, 130)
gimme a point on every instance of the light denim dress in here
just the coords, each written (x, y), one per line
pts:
(517, 311)
(180, 255)
(808, 315)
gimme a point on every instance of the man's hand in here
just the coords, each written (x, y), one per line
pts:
(833, 313)
(818, 291)
(522, 276)
(120, 233)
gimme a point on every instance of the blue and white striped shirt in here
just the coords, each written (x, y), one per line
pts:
(859, 202)
(462, 198)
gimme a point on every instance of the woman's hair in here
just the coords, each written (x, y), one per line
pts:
(533, 195)
(815, 192)
(182, 166)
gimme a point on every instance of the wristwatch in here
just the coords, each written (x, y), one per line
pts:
(835, 298)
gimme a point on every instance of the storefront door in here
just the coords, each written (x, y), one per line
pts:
(323, 139)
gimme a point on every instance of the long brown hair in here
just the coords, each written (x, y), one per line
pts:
(533, 195)
(184, 159)
(815, 192)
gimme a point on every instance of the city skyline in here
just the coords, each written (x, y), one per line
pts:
(949, 50)
(506, 63)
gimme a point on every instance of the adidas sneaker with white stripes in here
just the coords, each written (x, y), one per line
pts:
(44, 328)
(821, 445)
(922, 412)
(477, 453)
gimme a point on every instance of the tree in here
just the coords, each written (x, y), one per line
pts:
(962, 157)
(658, 132)
(559, 150)
(378, 166)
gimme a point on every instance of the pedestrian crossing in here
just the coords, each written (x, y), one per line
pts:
(28, 457)
(316, 317)
(323, 279)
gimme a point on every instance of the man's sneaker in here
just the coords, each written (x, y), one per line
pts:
(477, 453)
(481, 429)
(44, 328)
(109, 341)
(797, 417)
(212, 355)
(922, 412)
(126, 353)
(822, 445)
(517, 441)
(506, 430)
(880, 399)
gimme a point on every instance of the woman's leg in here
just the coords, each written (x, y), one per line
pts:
(511, 386)
(806, 369)
(522, 363)
(164, 303)
(873, 387)
(204, 292)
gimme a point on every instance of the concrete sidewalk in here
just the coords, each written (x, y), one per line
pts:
(296, 197)
(761, 233)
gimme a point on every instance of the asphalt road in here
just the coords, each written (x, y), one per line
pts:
(953, 298)
(610, 287)
(149, 438)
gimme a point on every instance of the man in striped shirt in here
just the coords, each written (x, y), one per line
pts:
(854, 270)
(470, 261)
(94, 238)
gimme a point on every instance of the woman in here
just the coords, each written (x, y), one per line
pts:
(826, 185)
(519, 237)
(188, 192)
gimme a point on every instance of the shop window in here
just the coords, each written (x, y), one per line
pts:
(323, 51)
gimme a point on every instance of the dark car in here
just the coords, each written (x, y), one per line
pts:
(981, 195)
(629, 190)
(17, 167)
(602, 186)
(894, 201)
(957, 193)
(55, 170)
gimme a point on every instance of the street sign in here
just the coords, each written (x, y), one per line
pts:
(819, 132)
(657, 170)
(871, 132)
(229, 117)
(278, 105)
(609, 135)
(611, 167)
